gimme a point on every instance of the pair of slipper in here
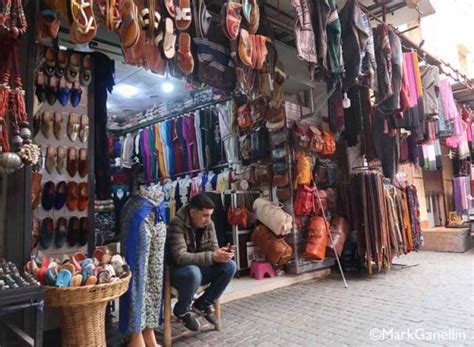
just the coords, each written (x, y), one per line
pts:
(50, 124)
(78, 127)
(252, 49)
(48, 234)
(78, 230)
(54, 195)
(76, 161)
(77, 196)
(48, 24)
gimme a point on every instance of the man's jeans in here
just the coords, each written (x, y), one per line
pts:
(187, 279)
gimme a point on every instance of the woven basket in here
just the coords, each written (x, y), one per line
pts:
(83, 311)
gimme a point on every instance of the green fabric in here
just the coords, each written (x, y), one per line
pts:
(334, 31)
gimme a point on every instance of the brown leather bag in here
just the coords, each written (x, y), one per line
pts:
(316, 141)
(329, 147)
(300, 137)
(277, 251)
(324, 201)
(237, 216)
(283, 193)
(339, 230)
(244, 116)
(318, 232)
(281, 180)
(263, 174)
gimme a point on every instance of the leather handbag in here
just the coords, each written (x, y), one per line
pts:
(273, 216)
(324, 201)
(280, 166)
(237, 216)
(277, 251)
(281, 180)
(263, 174)
(244, 117)
(283, 193)
(303, 169)
(259, 144)
(245, 148)
(318, 232)
(321, 173)
(304, 201)
(339, 230)
(300, 137)
(278, 137)
(329, 147)
(316, 141)
(275, 114)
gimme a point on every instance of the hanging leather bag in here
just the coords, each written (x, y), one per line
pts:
(277, 251)
(300, 136)
(324, 201)
(273, 216)
(316, 141)
(303, 169)
(244, 117)
(339, 230)
(263, 174)
(329, 147)
(237, 216)
(281, 180)
(304, 204)
(318, 233)
(283, 193)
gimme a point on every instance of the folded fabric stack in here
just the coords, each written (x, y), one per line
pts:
(79, 270)
(104, 205)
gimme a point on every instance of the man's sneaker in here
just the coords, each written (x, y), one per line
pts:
(206, 311)
(189, 321)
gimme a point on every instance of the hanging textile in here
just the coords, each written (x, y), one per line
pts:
(462, 192)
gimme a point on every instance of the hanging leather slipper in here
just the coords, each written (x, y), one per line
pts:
(169, 4)
(64, 91)
(61, 160)
(61, 232)
(60, 196)
(72, 161)
(51, 157)
(232, 20)
(62, 63)
(254, 20)
(52, 90)
(169, 40)
(130, 33)
(47, 125)
(73, 127)
(35, 189)
(47, 233)
(183, 15)
(84, 130)
(86, 73)
(261, 42)
(40, 84)
(84, 25)
(185, 58)
(47, 196)
(83, 231)
(58, 127)
(83, 162)
(49, 66)
(72, 197)
(245, 48)
(76, 93)
(48, 22)
(83, 196)
(145, 20)
(73, 68)
(113, 19)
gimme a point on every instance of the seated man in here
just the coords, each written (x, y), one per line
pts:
(196, 259)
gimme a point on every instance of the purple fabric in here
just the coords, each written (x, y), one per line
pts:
(461, 192)
(189, 134)
(449, 107)
(411, 79)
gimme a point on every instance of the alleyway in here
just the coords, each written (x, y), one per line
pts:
(435, 296)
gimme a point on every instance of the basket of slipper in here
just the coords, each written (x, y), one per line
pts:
(81, 287)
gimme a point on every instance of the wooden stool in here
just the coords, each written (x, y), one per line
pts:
(171, 292)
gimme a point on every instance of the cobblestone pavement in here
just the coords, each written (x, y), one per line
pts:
(434, 296)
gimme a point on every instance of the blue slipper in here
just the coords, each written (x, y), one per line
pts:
(64, 278)
(64, 92)
(51, 276)
(76, 93)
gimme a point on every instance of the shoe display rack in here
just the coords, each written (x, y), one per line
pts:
(61, 126)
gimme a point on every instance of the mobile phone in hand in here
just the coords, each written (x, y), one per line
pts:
(228, 247)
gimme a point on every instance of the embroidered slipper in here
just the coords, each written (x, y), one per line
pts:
(86, 73)
(72, 161)
(52, 90)
(47, 196)
(232, 19)
(71, 238)
(47, 125)
(60, 196)
(64, 91)
(73, 67)
(76, 93)
(83, 196)
(169, 4)
(35, 189)
(78, 257)
(72, 199)
(61, 232)
(61, 160)
(35, 235)
(185, 58)
(47, 233)
(183, 15)
(83, 231)
(83, 162)
(73, 127)
(261, 43)
(49, 66)
(84, 130)
(254, 20)
(245, 48)
(169, 40)
(58, 127)
(130, 33)
(84, 25)
(64, 279)
(51, 157)
(40, 89)
(62, 63)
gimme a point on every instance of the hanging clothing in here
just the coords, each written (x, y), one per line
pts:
(383, 56)
(320, 11)
(197, 127)
(430, 82)
(160, 151)
(143, 236)
(304, 35)
(177, 150)
(334, 32)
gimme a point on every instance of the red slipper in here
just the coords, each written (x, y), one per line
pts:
(185, 58)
